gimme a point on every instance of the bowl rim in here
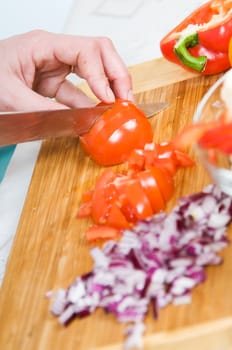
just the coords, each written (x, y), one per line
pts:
(220, 176)
(207, 96)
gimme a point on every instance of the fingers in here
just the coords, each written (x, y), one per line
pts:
(73, 97)
(45, 69)
(58, 87)
(97, 61)
(116, 71)
(89, 66)
(104, 71)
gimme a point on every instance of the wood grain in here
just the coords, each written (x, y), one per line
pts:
(50, 249)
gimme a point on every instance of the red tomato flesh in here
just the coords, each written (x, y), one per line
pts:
(100, 201)
(152, 190)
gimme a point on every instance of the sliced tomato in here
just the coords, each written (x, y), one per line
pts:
(136, 160)
(191, 134)
(134, 202)
(219, 138)
(152, 190)
(167, 165)
(164, 181)
(140, 158)
(170, 158)
(122, 128)
(182, 159)
(102, 232)
(85, 210)
(101, 202)
(163, 155)
(164, 147)
(121, 199)
(87, 196)
(115, 217)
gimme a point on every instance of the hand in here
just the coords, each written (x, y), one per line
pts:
(35, 65)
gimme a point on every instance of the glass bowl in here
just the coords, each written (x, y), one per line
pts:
(219, 167)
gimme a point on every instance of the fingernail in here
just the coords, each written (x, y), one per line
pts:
(130, 96)
(110, 95)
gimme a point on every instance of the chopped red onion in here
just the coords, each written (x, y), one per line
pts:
(158, 261)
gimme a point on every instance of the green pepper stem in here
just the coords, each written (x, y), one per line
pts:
(181, 51)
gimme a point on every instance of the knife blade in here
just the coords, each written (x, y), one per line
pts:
(17, 127)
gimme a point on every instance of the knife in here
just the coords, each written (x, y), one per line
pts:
(17, 127)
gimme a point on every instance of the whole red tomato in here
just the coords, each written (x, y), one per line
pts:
(122, 128)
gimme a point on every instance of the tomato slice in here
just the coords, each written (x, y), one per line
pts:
(166, 159)
(102, 232)
(167, 165)
(164, 181)
(115, 217)
(101, 202)
(152, 190)
(136, 160)
(182, 159)
(87, 196)
(134, 202)
(96, 141)
(85, 210)
(86, 205)
(160, 154)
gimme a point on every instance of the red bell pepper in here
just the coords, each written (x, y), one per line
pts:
(200, 42)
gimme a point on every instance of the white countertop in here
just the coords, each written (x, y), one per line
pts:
(18, 16)
(135, 26)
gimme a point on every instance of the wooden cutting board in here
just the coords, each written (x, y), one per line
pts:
(50, 249)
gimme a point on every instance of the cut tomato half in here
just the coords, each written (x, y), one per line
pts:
(119, 130)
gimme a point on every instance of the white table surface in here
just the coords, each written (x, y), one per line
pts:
(135, 26)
